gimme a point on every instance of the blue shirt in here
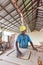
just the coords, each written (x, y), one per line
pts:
(23, 40)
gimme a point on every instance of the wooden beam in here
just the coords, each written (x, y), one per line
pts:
(29, 6)
(35, 8)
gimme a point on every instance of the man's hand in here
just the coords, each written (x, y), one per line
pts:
(35, 49)
(33, 46)
(19, 53)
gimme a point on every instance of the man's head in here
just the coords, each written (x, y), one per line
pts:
(23, 29)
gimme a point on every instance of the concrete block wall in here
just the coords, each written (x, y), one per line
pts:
(39, 22)
(32, 25)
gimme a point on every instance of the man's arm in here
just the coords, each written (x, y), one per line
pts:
(17, 46)
(33, 46)
(20, 53)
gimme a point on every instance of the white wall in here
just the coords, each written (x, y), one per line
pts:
(5, 35)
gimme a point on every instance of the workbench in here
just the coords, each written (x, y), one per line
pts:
(10, 58)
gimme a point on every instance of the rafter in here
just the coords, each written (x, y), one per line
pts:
(9, 21)
(9, 14)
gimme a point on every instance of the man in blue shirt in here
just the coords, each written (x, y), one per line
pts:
(23, 40)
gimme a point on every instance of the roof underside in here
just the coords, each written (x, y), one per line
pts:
(9, 17)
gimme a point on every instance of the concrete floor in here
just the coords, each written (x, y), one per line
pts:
(9, 58)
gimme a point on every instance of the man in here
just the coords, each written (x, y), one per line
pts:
(23, 40)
